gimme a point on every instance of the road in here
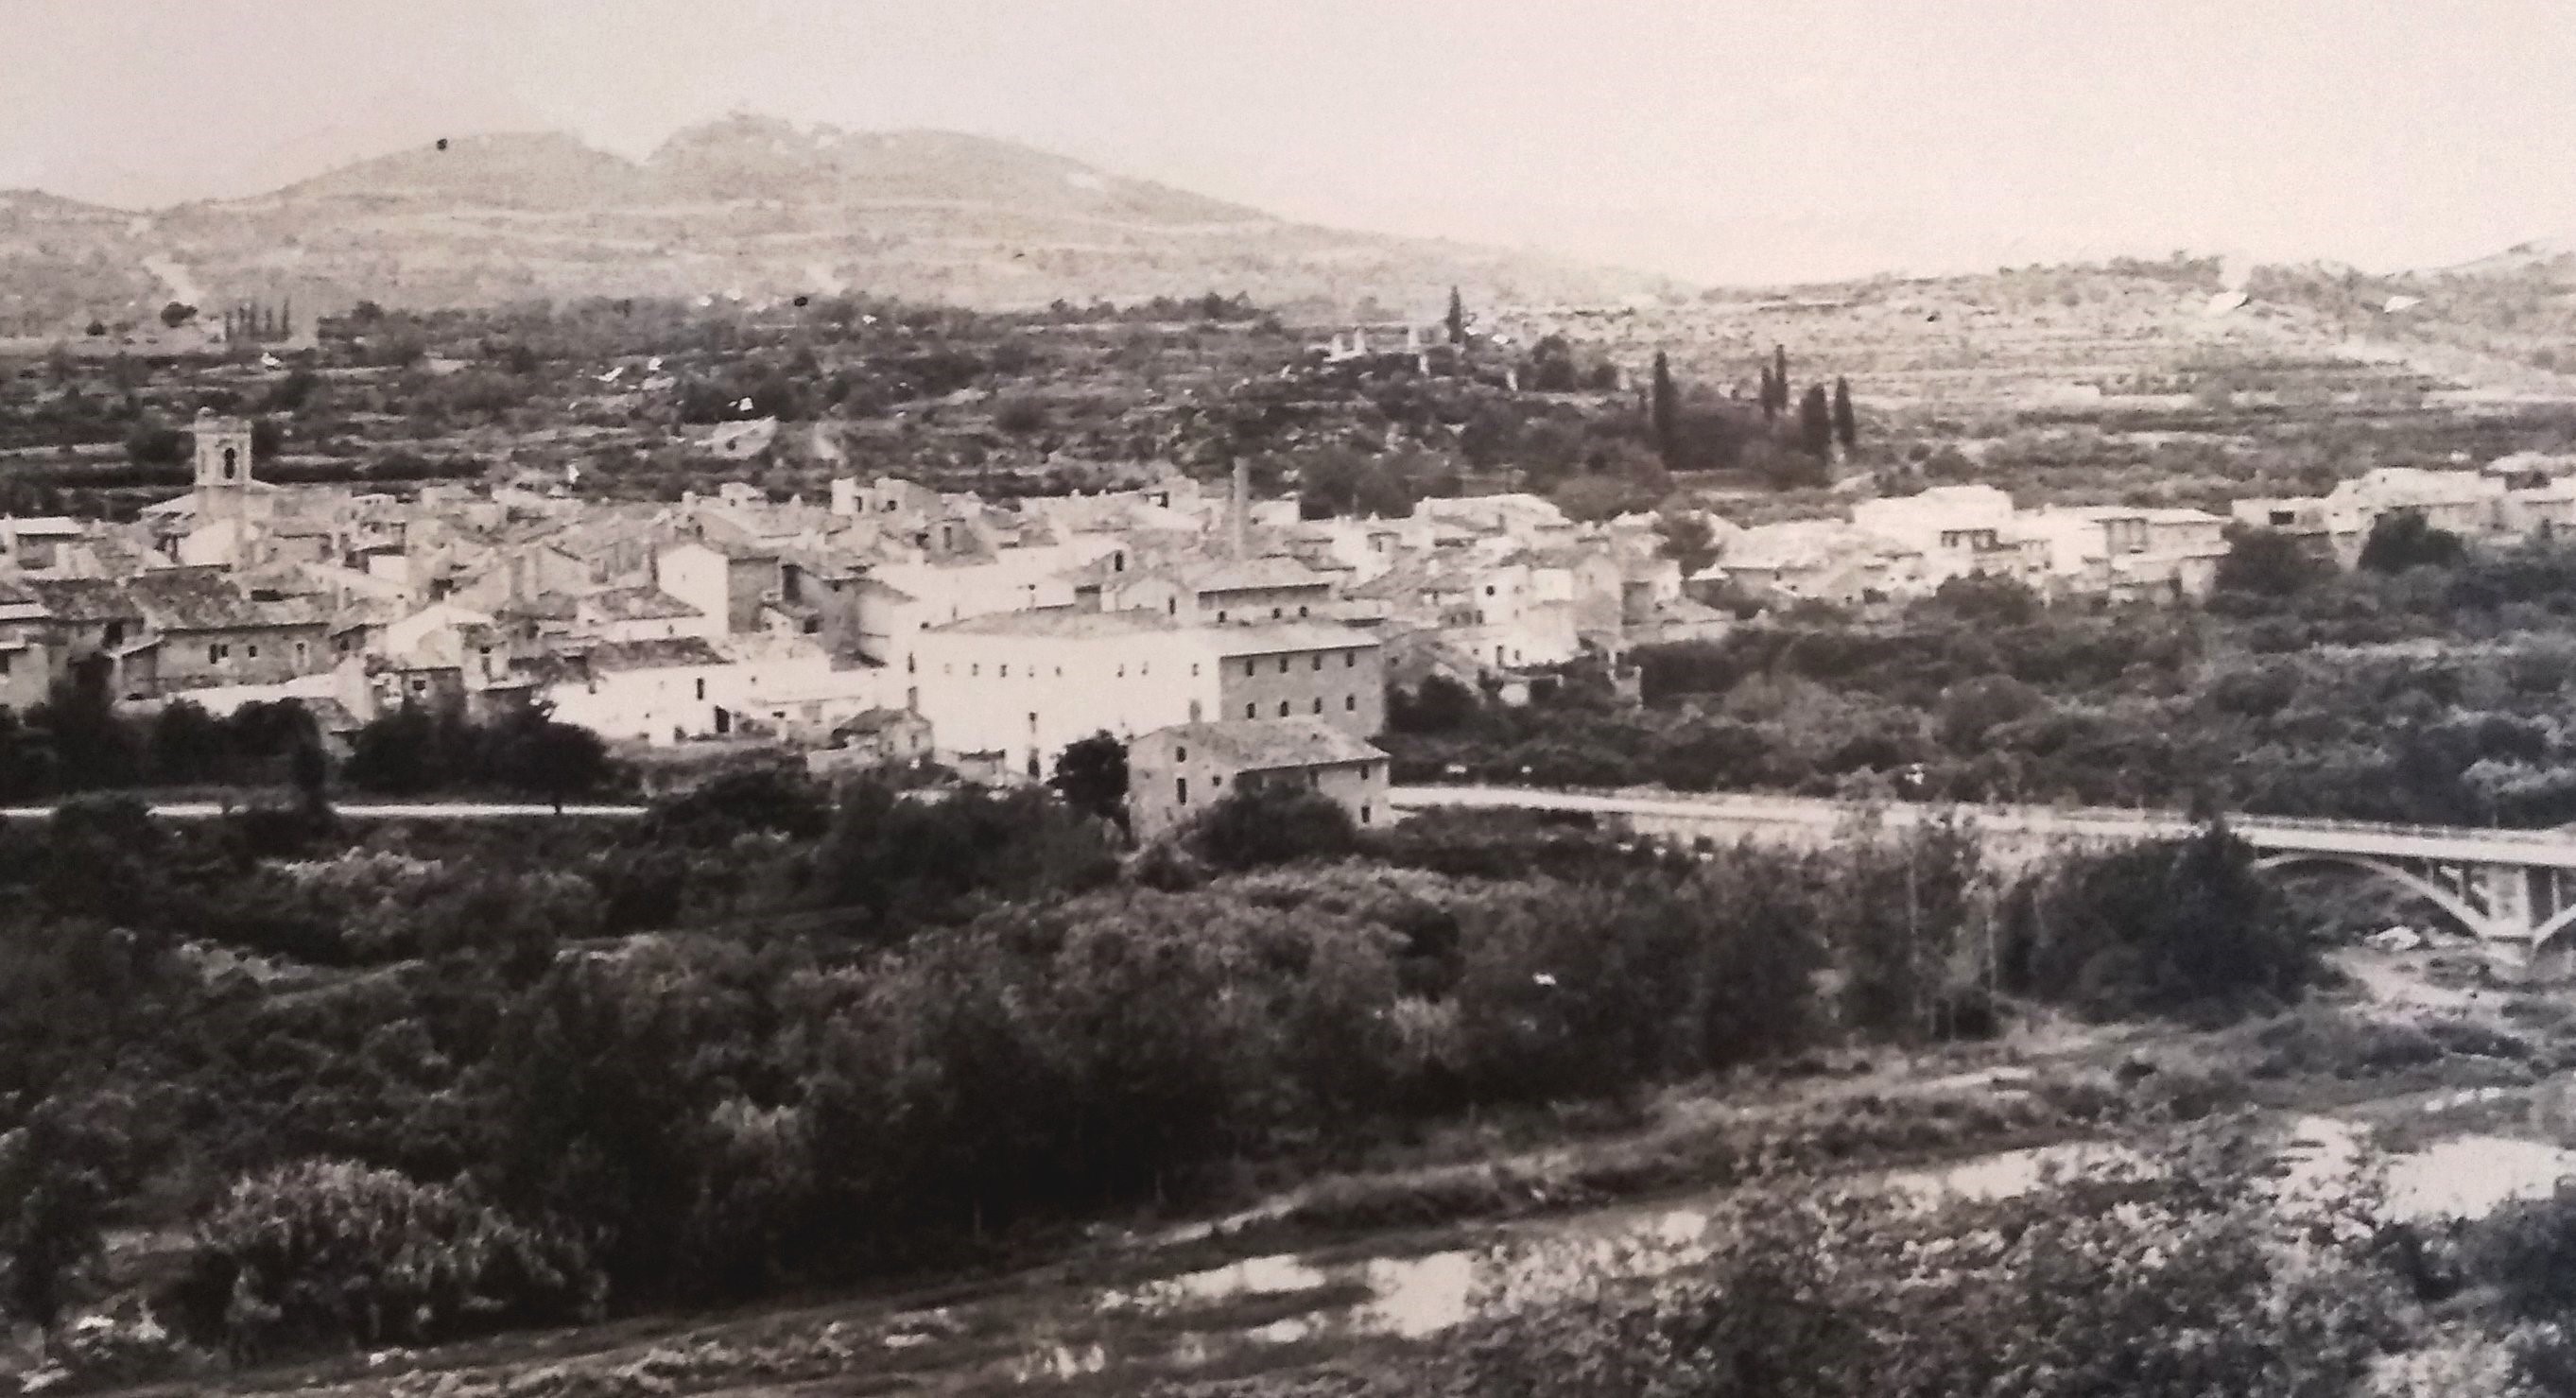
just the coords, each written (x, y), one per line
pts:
(373, 810)
(1668, 813)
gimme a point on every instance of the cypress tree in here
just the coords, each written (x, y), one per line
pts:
(1457, 318)
(1780, 372)
(1846, 430)
(1816, 423)
(1667, 436)
(1770, 395)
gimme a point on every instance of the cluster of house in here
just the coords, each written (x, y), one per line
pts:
(1226, 639)
(1908, 546)
(2520, 496)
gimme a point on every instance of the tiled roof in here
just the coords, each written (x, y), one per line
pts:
(637, 604)
(1065, 622)
(81, 600)
(1266, 744)
(1275, 637)
(661, 653)
(194, 599)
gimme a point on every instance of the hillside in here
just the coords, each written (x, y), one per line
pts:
(746, 207)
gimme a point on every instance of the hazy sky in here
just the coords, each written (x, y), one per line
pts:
(1717, 141)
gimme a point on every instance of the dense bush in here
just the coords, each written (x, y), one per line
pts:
(332, 1252)
(2157, 927)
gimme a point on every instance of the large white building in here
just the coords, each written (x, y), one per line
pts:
(1022, 685)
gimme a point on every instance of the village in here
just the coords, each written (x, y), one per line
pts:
(894, 623)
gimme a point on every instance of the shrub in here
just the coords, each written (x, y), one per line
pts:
(2527, 1251)
(1272, 823)
(325, 1252)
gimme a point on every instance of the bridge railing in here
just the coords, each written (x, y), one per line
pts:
(1719, 802)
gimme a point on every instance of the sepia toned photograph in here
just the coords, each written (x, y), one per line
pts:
(1288, 699)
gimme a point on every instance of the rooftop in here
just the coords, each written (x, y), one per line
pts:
(1064, 623)
(664, 653)
(643, 603)
(1265, 744)
(204, 599)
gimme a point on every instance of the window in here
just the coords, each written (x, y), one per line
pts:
(1180, 791)
(1247, 666)
(1301, 611)
(1319, 706)
(1006, 672)
(1217, 780)
(975, 669)
(1283, 708)
(232, 462)
(1350, 659)
(116, 633)
(702, 686)
(1194, 669)
(214, 654)
(1251, 711)
(1220, 614)
(1180, 753)
(909, 667)
(1350, 703)
(1364, 813)
(1283, 665)
(251, 651)
(1171, 606)
(1274, 613)
(1489, 589)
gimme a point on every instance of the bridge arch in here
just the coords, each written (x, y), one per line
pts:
(2555, 938)
(2475, 923)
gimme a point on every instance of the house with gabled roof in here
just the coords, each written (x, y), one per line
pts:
(1177, 772)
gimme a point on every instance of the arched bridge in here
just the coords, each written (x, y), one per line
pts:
(2516, 888)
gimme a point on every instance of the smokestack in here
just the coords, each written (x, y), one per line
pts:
(1239, 510)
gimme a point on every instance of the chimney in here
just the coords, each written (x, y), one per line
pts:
(1239, 509)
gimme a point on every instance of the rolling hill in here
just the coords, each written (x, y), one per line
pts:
(745, 206)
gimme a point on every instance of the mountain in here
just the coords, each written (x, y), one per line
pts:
(744, 206)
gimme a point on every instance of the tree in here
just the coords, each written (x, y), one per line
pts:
(1769, 394)
(312, 773)
(1780, 374)
(1091, 775)
(1687, 540)
(1846, 429)
(57, 1177)
(2406, 540)
(1663, 407)
(2268, 563)
(1457, 318)
(1816, 423)
(1590, 498)
(177, 313)
(1270, 822)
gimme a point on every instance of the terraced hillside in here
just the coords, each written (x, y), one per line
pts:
(747, 207)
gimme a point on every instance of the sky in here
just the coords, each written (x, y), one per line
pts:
(1715, 141)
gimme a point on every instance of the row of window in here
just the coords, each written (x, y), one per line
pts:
(220, 651)
(1252, 666)
(1314, 780)
(1350, 705)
